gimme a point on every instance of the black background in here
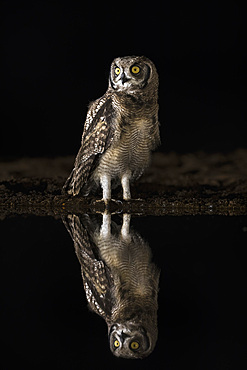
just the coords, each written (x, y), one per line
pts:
(56, 59)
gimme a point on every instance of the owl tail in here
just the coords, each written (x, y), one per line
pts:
(69, 186)
(78, 179)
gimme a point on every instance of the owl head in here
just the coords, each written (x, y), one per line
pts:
(130, 340)
(132, 74)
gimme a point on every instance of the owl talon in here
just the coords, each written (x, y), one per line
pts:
(116, 201)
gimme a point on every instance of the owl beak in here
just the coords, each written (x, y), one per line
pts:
(123, 336)
(124, 78)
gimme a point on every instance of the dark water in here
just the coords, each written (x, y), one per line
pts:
(45, 320)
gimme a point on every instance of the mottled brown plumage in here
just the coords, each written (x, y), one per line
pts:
(120, 131)
(120, 281)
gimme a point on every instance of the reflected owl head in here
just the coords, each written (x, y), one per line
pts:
(130, 340)
(132, 73)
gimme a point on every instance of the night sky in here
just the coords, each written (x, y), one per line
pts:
(56, 59)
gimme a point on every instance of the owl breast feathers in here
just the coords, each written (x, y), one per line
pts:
(120, 131)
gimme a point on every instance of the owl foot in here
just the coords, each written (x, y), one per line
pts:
(111, 205)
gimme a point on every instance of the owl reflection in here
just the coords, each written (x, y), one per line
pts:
(120, 281)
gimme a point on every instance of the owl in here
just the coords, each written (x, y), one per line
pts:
(120, 131)
(120, 281)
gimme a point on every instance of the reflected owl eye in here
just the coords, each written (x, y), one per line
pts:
(116, 344)
(135, 69)
(117, 70)
(134, 345)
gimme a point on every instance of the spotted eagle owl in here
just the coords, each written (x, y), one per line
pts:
(120, 131)
(120, 281)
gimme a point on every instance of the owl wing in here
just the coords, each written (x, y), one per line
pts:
(97, 279)
(97, 136)
(154, 132)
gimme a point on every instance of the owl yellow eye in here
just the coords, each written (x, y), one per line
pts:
(135, 69)
(116, 344)
(134, 345)
(117, 70)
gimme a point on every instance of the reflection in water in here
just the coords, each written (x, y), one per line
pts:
(120, 281)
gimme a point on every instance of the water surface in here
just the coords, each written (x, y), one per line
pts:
(202, 295)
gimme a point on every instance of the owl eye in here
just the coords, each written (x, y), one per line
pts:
(117, 70)
(135, 69)
(116, 344)
(134, 345)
